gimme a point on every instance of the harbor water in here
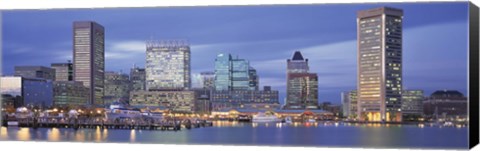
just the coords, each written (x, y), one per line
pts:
(264, 134)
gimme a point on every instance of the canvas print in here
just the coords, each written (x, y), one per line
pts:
(372, 75)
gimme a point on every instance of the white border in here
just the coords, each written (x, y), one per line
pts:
(61, 4)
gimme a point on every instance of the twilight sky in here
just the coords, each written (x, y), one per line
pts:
(434, 40)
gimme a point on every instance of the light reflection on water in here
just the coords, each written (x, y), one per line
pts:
(297, 134)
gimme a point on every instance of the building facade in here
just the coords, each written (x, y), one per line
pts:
(35, 72)
(32, 92)
(137, 79)
(302, 86)
(446, 105)
(412, 104)
(70, 94)
(117, 88)
(379, 78)
(182, 101)
(63, 71)
(234, 74)
(89, 58)
(266, 98)
(168, 65)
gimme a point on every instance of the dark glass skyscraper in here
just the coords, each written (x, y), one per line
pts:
(89, 58)
(379, 78)
(234, 74)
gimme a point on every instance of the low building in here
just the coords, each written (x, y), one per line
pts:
(446, 105)
(70, 93)
(182, 101)
(295, 114)
(252, 99)
(116, 88)
(203, 105)
(33, 92)
(35, 72)
(412, 105)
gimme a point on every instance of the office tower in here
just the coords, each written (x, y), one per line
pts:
(302, 86)
(31, 92)
(137, 78)
(89, 58)
(63, 71)
(35, 72)
(379, 78)
(117, 88)
(168, 65)
(223, 72)
(70, 94)
(412, 104)
(234, 74)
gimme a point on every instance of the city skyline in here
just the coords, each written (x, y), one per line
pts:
(332, 54)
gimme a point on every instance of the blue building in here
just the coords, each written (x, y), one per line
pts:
(31, 91)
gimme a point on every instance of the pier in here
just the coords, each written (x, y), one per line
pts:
(170, 124)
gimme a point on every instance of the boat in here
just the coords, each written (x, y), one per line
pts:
(288, 120)
(262, 117)
(311, 120)
(243, 118)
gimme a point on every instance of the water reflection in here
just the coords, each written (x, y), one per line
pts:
(23, 134)
(132, 136)
(53, 134)
(3, 133)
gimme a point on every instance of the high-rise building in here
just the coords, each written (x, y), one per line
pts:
(379, 79)
(223, 74)
(63, 71)
(412, 104)
(117, 88)
(89, 58)
(70, 93)
(302, 86)
(137, 78)
(178, 101)
(35, 72)
(168, 65)
(32, 92)
(234, 74)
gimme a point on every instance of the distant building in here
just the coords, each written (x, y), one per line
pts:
(32, 92)
(204, 80)
(89, 58)
(379, 57)
(449, 104)
(70, 93)
(35, 72)
(63, 71)
(117, 88)
(234, 74)
(412, 104)
(302, 86)
(137, 79)
(245, 99)
(203, 105)
(182, 101)
(168, 65)
(349, 104)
